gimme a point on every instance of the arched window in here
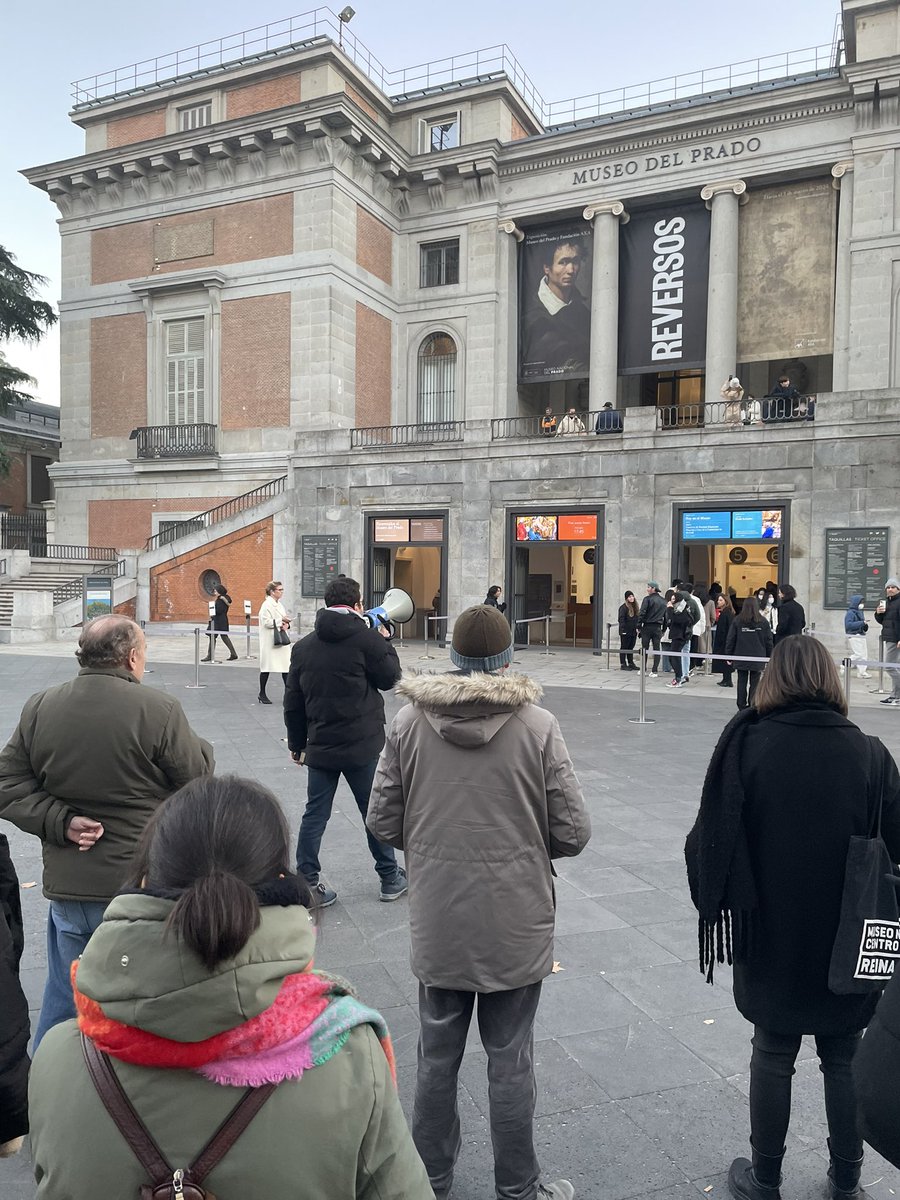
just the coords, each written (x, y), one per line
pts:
(436, 387)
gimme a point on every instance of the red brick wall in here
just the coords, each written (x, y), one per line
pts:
(118, 374)
(14, 486)
(126, 524)
(139, 128)
(249, 230)
(373, 368)
(243, 561)
(374, 245)
(518, 130)
(360, 101)
(263, 96)
(128, 608)
(256, 362)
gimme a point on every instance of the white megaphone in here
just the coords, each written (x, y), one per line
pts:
(396, 608)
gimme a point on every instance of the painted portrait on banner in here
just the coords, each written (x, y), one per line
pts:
(555, 302)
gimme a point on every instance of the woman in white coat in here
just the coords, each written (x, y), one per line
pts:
(272, 616)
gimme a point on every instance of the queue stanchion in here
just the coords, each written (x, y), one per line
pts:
(248, 612)
(641, 718)
(609, 625)
(880, 664)
(847, 663)
(196, 683)
(547, 634)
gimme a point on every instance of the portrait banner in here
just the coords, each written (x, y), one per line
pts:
(555, 302)
(663, 284)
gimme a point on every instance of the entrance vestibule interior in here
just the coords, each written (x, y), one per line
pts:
(417, 570)
(557, 579)
(714, 563)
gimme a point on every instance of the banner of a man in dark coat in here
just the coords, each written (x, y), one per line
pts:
(555, 302)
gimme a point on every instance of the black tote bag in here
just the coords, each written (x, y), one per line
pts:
(867, 944)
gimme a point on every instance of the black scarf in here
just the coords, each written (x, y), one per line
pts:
(720, 874)
(273, 893)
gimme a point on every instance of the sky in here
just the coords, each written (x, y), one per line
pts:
(591, 47)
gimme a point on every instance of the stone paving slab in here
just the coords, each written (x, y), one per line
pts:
(642, 1067)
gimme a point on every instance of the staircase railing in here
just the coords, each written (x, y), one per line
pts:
(220, 513)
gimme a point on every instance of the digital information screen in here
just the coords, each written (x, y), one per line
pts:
(704, 526)
(536, 529)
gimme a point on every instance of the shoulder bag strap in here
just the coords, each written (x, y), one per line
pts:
(120, 1109)
(876, 776)
(229, 1132)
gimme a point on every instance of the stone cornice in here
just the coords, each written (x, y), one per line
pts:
(205, 279)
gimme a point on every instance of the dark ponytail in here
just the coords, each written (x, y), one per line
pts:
(211, 846)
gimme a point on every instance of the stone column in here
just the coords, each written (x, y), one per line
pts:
(607, 215)
(842, 180)
(723, 200)
(508, 367)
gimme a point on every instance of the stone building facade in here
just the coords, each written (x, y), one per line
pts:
(296, 278)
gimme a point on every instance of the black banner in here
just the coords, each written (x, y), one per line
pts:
(663, 282)
(555, 302)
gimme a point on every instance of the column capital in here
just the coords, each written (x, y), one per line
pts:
(614, 208)
(724, 187)
(839, 170)
(512, 229)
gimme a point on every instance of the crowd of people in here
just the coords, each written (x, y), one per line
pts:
(182, 994)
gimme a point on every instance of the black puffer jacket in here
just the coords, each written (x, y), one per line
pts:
(889, 621)
(791, 620)
(333, 708)
(14, 1028)
(748, 641)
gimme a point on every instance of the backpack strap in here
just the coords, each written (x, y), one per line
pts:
(122, 1112)
(229, 1132)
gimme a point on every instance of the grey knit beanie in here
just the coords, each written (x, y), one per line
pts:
(893, 582)
(482, 639)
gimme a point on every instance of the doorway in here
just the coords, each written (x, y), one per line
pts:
(408, 552)
(743, 549)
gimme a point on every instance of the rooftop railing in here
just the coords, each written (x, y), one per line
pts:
(321, 25)
(423, 434)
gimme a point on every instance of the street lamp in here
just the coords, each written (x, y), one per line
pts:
(344, 17)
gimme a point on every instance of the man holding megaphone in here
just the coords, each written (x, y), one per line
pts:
(334, 713)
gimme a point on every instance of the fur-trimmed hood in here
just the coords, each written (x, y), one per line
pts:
(469, 709)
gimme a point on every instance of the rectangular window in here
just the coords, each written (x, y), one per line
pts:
(439, 263)
(185, 345)
(40, 487)
(441, 133)
(195, 116)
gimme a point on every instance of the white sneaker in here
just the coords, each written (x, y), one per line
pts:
(864, 675)
(653, 675)
(560, 1190)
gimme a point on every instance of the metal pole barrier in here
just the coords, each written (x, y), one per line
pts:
(641, 718)
(847, 663)
(248, 636)
(196, 683)
(426, 654)
(880, 662)
(547, 634)
(609, 625)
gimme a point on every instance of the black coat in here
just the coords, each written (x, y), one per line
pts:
(220, 620)
(806, 779)
(333, 707)
(652, 611)
(14, 1026)
(876, 1068)
(748, 641)
(889, 621)
(628, 624)
(720, 639)
(680, 625)
(791, 620)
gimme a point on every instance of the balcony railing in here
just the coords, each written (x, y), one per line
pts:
(23, 531)
(174, 441)
(94, 554)
(736, 414)
(604, 421)
(408, 435)
(220, 513)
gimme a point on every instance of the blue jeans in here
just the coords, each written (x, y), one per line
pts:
(320, 788)
(685, 660)
(70, 924)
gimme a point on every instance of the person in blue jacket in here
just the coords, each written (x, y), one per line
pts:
(856, 628)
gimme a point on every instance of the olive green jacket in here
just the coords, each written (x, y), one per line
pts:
(101, 746)
(337, 1132)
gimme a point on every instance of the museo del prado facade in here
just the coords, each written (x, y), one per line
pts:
(424, 328)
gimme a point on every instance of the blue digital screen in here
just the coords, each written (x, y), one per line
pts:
(702, 526)
(757, 523)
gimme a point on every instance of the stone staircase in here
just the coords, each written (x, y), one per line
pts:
(63, 586)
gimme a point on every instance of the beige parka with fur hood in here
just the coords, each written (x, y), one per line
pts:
(476, 787)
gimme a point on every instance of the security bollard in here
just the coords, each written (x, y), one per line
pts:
(196, 683)
(847, 663)
(641, 718)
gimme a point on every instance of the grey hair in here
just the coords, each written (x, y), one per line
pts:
(107, 642)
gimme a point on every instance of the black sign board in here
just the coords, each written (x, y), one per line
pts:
(320, 560)
(856, 564)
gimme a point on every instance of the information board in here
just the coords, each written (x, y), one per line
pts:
(97, 597)
(426, 529)
(856, 563)
(752, 524)
(701, 526)
(392, 529)
(320, 562)
(577, 528)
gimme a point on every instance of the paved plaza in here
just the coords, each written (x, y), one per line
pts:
(642, 1067)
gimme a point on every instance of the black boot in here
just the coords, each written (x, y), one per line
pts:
(843, 1177)
(756, 1180)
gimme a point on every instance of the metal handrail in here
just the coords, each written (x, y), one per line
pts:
(75, 553)
(175, 441)
(530, 427)
(408, 435)
(734, 414)
(322, 26)
(220, 513)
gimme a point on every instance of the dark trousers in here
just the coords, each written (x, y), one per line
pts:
(222, 637)
(506, 1028)
(745, 697)
(650, 636)
(626, 643)
(771, 1069)
(320, 788)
